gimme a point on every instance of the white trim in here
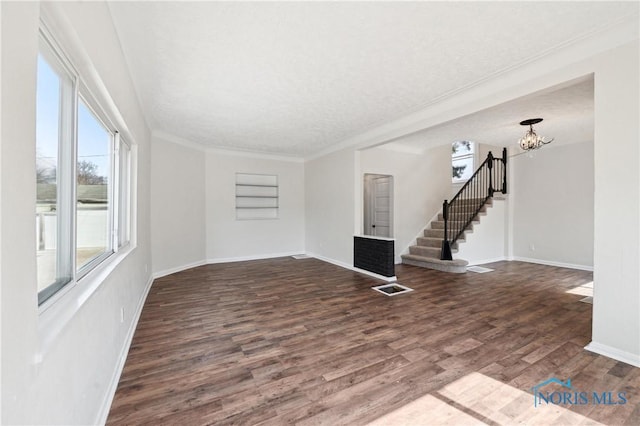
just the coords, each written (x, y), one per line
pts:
(484, 261)
(353, 268)
(103, 413)
(167, 137)
(252, 257)
(373, 274)
(165, 272)
(553, 263)
(613, 353)
(373, 237)
(157, 134)
(447, 106)
(254, 154)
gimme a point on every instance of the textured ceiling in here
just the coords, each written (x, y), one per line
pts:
(294, 78)
(567, 111)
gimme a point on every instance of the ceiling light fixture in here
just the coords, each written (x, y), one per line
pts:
(531, 140)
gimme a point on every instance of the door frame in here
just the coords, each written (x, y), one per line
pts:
(368, 202)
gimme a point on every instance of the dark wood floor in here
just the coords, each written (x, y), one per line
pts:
(301, 341)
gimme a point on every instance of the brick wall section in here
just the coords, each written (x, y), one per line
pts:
(374, 255)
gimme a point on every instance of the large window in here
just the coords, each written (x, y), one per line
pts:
(54, 131)
(94, 204)
(83, 177)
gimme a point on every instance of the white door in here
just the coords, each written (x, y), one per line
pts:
(381, 206)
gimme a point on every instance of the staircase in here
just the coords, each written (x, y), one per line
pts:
(427, 251)
(434, 249)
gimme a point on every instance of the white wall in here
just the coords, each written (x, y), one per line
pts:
(487, 242)
(552, 191)
(230, 239)
(421, 183)
(59, 366)
(330, 200)
(18, 280)
(178, 206)
(616, 307)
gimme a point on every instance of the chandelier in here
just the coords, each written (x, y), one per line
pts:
(531, 140)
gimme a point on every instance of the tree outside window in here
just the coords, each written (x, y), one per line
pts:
(462, 160)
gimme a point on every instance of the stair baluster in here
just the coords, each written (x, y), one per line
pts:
(469, 201)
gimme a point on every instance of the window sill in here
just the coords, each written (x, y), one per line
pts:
(55, 314)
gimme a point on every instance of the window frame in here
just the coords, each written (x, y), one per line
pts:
(120, 190)
(123, 182)
(65, 196)
(84, 96)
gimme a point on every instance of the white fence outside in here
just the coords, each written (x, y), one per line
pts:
(92, 225)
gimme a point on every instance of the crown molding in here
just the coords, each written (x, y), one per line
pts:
(167, 137)
(502, 86)
(255, 154)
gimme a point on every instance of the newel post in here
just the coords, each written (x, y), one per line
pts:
(445, 253)
(504, 170)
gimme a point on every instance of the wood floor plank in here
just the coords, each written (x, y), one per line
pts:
(284, 341)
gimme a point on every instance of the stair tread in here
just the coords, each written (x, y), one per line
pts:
(425, 251)
(429, 242)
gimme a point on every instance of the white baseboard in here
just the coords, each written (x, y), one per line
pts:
(552, 263)
(352, 268)
(270, 256)
(113, 385)
(252, 257)
(613, 353)
(170, 271)
(181, 268)
(482, 262)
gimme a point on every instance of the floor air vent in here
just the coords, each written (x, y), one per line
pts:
(392, 289)
(301, 256)
(478, 269)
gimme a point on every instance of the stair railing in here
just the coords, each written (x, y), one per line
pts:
(489, 178)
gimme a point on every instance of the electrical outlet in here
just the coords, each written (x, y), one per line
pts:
(532, 247)
(122, 314)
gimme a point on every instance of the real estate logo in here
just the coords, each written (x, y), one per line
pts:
(569, 396)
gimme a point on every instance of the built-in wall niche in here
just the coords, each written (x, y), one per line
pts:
(256, 196)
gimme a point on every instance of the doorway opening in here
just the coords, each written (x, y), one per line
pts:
(378, 205)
